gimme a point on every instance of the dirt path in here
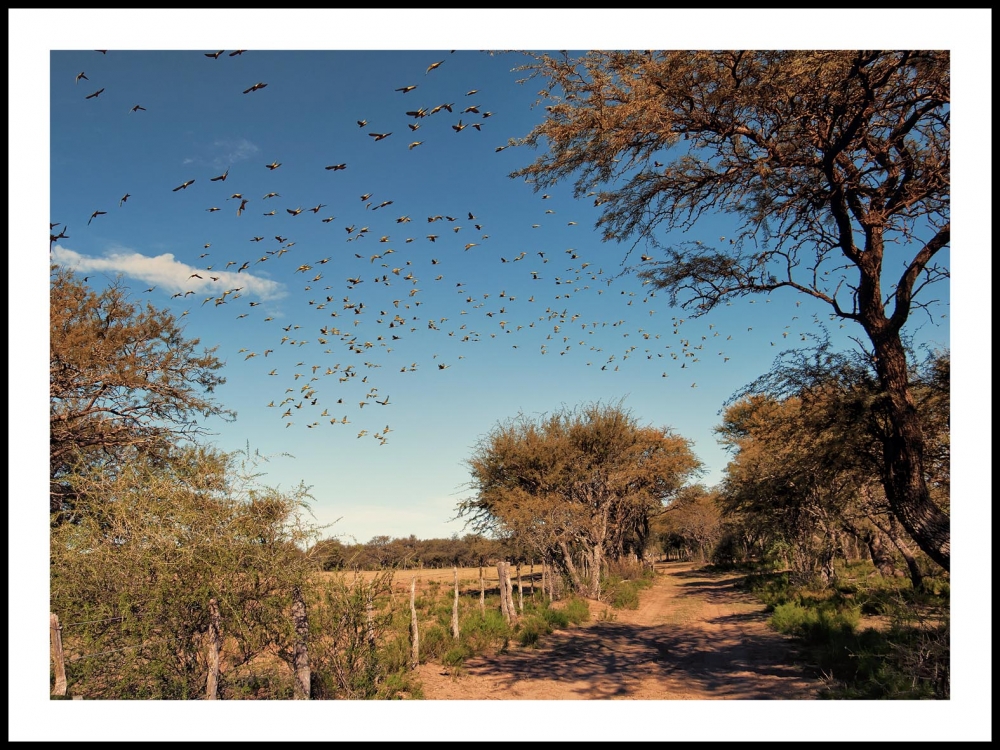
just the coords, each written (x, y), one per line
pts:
(694, 637)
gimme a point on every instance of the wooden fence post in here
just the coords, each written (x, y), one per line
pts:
(531, 578)
(414, 632)
(509, 589)
(303, 677)
(58, 660)
(503, 591)
(214, 645)
(520, 590)
(482, 591)
(454, 610)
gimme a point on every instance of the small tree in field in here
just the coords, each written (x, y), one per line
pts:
(578, 485)
(835, 162)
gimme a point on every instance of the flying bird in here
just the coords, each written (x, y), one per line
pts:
(243, 204)
(459, 128)
(95, 94)
(237, 52)
(255, 87)
(432, 66)
(294, 211)
(273, 165)
(406, 89)
(362, 123)
(95, 215)
(214, 54)
(182, 187)
(336, 167)
(221, 177)
(137, 108)
(83, 76)
(414, 145)
(379, 136)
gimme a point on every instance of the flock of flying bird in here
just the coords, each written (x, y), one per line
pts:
(392, 268)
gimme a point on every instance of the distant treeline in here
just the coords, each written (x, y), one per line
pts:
(382, 552)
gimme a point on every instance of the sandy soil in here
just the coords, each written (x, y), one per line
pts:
(694, 637)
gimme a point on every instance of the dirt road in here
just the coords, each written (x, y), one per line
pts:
(694, 637)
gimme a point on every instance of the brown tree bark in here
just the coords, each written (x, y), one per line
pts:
(214, 647)
(303, 677)
(58, 659)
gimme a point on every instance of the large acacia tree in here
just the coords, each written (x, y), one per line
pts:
(835, 163)
(123, 379)
(576, 485)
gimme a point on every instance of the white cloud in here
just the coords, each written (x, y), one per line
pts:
(233, 151)
(169, 274)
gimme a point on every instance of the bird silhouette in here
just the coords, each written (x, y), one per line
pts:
(222, 177)
(95, 94)
(414, 145)
(273, 165)
(124, 198)
(183, 186)
(137, 108)
(432, 66)
(406, 89)
(83, 76)
(255, 87)
(362, 123)
(214, 54)
(237, 52)
(336, 167)
(95, 215)
(379, 136)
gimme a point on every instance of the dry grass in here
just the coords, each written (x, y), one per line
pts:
(468, 578)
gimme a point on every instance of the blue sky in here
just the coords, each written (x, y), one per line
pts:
(480, 338)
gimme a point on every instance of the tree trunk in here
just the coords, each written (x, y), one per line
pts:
(880, 557)
(58, 660)
(892, 533)
(903, 468)
(214, 646)
(303, 677)
(573, 574)
(595, 572)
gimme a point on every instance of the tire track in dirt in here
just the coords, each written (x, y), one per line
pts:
(693, 637)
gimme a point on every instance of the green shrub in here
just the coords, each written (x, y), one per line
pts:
(531, 629)
(556, 618)
(434, 641)
(577, 611)
(457, 654)
(486, 631)
(814, 624)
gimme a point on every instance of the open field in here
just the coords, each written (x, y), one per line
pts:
(468, 578)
